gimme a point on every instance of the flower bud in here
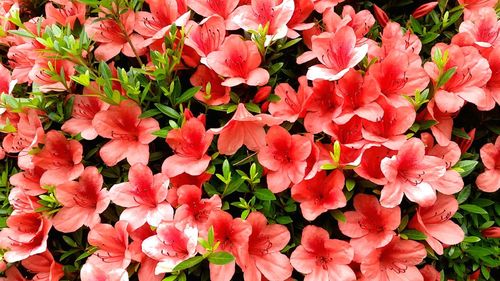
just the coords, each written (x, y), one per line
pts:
(381, 16)
(424, 9)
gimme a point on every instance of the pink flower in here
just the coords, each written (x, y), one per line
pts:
(483, 28)
(394, 39)
(238, 60)
(291, 105)
(194, 210)
(321, 258)
(233, 235)
(157, 22)
(26, 235)
(207, 36)
(472, 6)
(369, 167)
(395, 261)
(337, 53)
(67, 13)
(264, 246)
(361, 22)
(82, 202)
(411, 172)
(61, 158)
(129, 134)
(143, 197)
(489, 180)
(371, 226)
(492, 88)
(6, 82)
(190, 144)
(434, 221)
(29, 181)
(22, 202)
(38, 74)
(112, 243)
(172, 244)
(44, 267)
(90, 272)
(471, 75)
(112, 38)
(209, 8)
(273, 13)
(322, 106)
(243, 129)
(285, 156)
(321, 193)
(85, 107)
(218, 94)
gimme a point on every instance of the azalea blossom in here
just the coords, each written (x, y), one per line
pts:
(321, 193)
(321, 258)
(243, 129)
(112, 243)
(489, 180)
(361, 21)
(410, 173)
(171, 245)
(67, 13)
(82, 201)
(207, 8)
(264, 245)
(284, 156)
(44, 267)
(238, 60)
(212, 92)
(85, 107)
(337, 53)
(207, 36)
(143, 196)
(292, 103)
(322, 106)
(194, 210)
(90, 272)
(370, 226)
(130, 136)
(435, 222)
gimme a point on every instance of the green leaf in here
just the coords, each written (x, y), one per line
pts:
(167, 110)
(445, 77)
(472, 239)
(252, 107)
(473, 209)
(189, 263)
(69, 241)
(414, 234)
(233, 186)
(187, 95)
(464, 194)
(465, 167)
(429, 37)
(284, 220)
(149, 113)
(220, 258)
(264, 194)
(350, 184)
(338, 215)
(460, 133)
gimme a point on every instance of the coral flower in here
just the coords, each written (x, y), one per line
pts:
(322, 258)
(322, 106)
(85, 107)
(144, 197)
(129, 134)
(337, 53)
(411, 172)
(112, 243)
(208, 8)
(492, 88)
(67, 14)
(44, 267)
(395, 261)
(435, 222)
(264, 246)
(207, 36)
(238, 60)
(321, 193)
(157, 22)
(370, 226)
(26, 235)
(243, 129)
(90, 272)
(82, 201)
(218, 94)
(172, 244)
(193, 209)
(489, 180)
(190, 144)
(61, 158)
(285, 157)
(424, 9)
(291, 105)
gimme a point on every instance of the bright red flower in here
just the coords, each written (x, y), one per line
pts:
(233, 235)
(285, 156)
(61, 158)
(82, 202)
(190, 144)
(489, 180)
(218, 94)
(194, 210)
(90, 272)
(320, 194)
(238, 60)
(143, 196)
(264, 246)
(491, 232)
(6, 82)
(85, 107)
(112, 38)
(26, 235)
(207, 36)
(473, 6)
(369, 167)
(321, 258)
(371, 226)
(471, 75)
(112, 243)
(172, 244)
(411, 172)
(243, 129)
(395, 261)
(443, 128)
(44, 267)
(129, 134)
(274, 13)
(435, 222)
(424, 9)
(337, 53)
(291, 105)
(302, 11)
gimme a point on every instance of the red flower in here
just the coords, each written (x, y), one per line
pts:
(321, 258)
(112, 244)
(489, 180)
(285, 157)
(381, 16)
(194, 210)
(129, 134)
(218, 94)
(44, 267)
(291, 105)
(491, 232)
(424, 9)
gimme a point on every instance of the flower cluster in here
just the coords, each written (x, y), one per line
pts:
(255, 140)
